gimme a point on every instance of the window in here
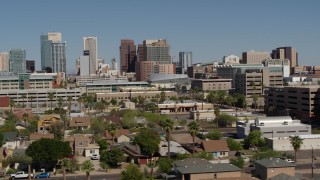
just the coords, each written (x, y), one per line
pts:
(80, 143)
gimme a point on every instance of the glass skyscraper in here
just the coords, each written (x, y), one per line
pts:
(17, 59)
(58, 57)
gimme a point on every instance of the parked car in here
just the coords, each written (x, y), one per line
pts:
(94, 157)
(289, 160)
(42, 175)
(20, 175)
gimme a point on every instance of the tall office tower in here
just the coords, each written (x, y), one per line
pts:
(4, 61)
(30, 66)
(59, 57)
(17, 59)
(154, 55)
(185, 60)
(90, 44)
(128, 56)
(253, 57)
(157, 50)
(286, 53)
(46, 41)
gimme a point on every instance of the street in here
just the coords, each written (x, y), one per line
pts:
(92, 177)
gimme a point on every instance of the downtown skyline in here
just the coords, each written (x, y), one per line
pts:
(210, 29)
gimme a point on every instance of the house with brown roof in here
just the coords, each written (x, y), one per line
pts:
(37, 136)
(81, 145)
(134, 154)
(46, 121)
(81, 123)
(111, 119)
(122, 135)
(218, 148)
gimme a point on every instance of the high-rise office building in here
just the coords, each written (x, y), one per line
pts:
(153, 55)
(46, 49)
(59, 57)
(253, 57)
(90, 44)
(286, 53)
(185, 60)
(17, 59)
(4, 61)
(30, 66)
(128, 55)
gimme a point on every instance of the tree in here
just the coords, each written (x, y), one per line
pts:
(88, 167)
(97, 127)
(25, 117)
(103, 145)
(65, 163)
(167, 125)
(254, 139)
(234, 145)
(255, 100)
(1, 139)
(225, 120)
(193, 129)
(132, 172)
(113, 157)
(60, 103)
(89, 100)
(296, 143)
(148, 142)
(214, 135)
(99, 106)
(141, 102)
(112, 129)
(113, 102)
(11, 104)
(216, 113)
(238, 161)
(162, 96)
(69, 99)
(165, 165)
(266, 154)
(48, 150)
(80, 100)
(51, 96)
(221, 96)
(157, 97)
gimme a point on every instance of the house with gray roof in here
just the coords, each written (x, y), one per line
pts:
(195, 168)
(270, 167)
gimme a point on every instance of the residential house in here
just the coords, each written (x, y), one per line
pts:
(46, 121)
(37, 136)
(111, 119)
(122, 135)
(133, 153)
(10, 140)
(80, 123)
(19, 112)
(21, 125)
(175, 148)
(195, 168)
(270, 167)
(218, 148)
(81, 145)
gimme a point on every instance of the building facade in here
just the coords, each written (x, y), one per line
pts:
(299, 101)
(128, 55)
(185, 60)
(30, 66)
(253, 57)
(4, 61)
(211, 84)
(17, 59)
(91, 46)
(286, 53)
(46, 41)
(59, 57)
(232, 59)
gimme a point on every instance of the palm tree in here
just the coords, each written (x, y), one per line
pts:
(25, 117)
(23, 97)
(216, 113)
(255, 99)
(140, 101)
(69, 99)
(296, 143)
(80, 100)
(89, 101)
(88, 167)
(65, 165)
(112, 129)
(51, 96)
(167, 125)
(193, 129)
(12, 104)
(60, 103)
(31, 99)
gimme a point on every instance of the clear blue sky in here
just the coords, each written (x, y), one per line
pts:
(208, 28)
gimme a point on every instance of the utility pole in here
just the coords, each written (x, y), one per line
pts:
(312, 164)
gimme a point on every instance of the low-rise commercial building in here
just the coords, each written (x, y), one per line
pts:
(271, 127)
(310, 141)
(126, 96)
(105, 86)
(270, 167)
(185, 106)
(211, 84)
